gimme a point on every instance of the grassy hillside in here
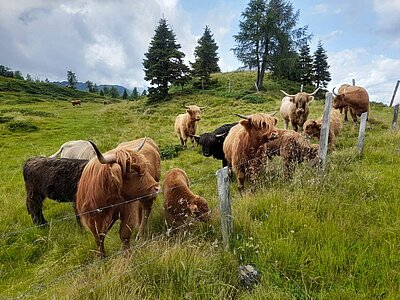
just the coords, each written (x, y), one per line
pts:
(317, 236)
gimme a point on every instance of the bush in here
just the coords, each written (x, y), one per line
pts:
(22, 126)
(254, 98)
(5, 119)
(170, 151)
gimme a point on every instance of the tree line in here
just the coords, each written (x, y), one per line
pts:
(268, 41)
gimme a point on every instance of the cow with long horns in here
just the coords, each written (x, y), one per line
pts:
(294, 108)
(186, 124)
(243, 140)
(355, 98)
(111, 183)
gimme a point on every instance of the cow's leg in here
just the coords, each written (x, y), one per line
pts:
(346, 109)
(289, 166)
(294, 126)
(286, 125)
(146, 209)
(99, 225)
(34, 204)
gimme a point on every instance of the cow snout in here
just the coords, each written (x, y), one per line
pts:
(300, 111)
(156, 189)
(206, 153)
(274, 135)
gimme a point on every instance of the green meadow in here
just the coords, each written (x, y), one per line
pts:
(320, 235)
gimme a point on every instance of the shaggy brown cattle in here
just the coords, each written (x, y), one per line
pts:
(110, 184)
(292, 147)
(76, 102)
(186, 124)
(179, 201)
(105, 102)
(356, 98)
(242, 142)
(312, 128)
(294, 108)
(79, 149)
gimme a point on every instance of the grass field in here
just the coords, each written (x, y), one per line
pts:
(331, 235)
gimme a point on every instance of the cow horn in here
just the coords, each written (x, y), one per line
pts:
(333, 91)
(195, 136)
(141, 146)
(313, 93)
(243, 117)
(273, 113)
(221, 134)
(187, 106)
(203, 107)
(100, 157)
(287, 94)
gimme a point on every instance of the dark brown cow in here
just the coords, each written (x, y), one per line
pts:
(292, 147)
(312, 128)
(76, 102)
(356, 98)
(242, 142)
(294, 108)
(108, 186)
(179, 201)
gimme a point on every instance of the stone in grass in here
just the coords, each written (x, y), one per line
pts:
(248, 276)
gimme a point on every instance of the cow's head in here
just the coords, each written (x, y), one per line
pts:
(209, 141)
(194, 111)
(260, 127)
(125, 171)
(311, 128)
(199, 209)
(301, 100)
(339, 99)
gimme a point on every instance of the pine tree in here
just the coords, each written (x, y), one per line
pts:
(163, 64)
(305, 65)
(125, 95)
(206, 57)
(71, 79)
(268, 37)
(28, 77)
(135, 93)
(321, 75)
(114, 92)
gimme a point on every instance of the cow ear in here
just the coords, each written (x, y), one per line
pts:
(196, 138)
(137, 168)
(246, 123)
(291, 99)
(310, 99)
(193, 208)
(276, 120)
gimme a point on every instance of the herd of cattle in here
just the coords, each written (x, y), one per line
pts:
(123, 183)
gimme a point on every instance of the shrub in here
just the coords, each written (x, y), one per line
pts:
(5, 119)
(22, 126)
(254, 98)
(170, 151)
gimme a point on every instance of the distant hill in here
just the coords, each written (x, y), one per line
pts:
(81, 86)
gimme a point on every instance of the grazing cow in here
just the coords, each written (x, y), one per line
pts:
(76, 102)
(54, 178)
(179, 201)
(79, 149)
(356, 98)
(186, 124)
(110, 184)
(312, 128)
(294, 108)
(105, 102)
(292, 147)
(212, 142)
(243, 141)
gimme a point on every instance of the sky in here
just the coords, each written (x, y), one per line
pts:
(104, 41)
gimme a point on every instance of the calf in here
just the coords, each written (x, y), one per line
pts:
(212, 142)
(292, 147)
(186, 124)
(312, 128)
(54, 178)
(179, 201)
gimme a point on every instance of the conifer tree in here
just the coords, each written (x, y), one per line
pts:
(305, 65)
(206, 57)
(135, 93)
(163, 64)
(125, 94)
(321, 74)
(71, 79)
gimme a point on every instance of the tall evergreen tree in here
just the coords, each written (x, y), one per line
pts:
(267, 35)
(206, 57)
(135, 93)
(163, 64)
(305, 64)
(321, 74)
(71, 79)
(114, 92)
(125, 94)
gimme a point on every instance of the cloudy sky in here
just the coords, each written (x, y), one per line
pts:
(104, 41)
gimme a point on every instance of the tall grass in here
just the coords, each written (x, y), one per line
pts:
(331, 235)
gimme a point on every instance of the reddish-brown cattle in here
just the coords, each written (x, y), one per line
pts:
(108, 186)
(294, 108)
(356, 98)
(76, 102)
(312, 128)
(179, 201)
(292, 147)
(243, 141)
(186, 124)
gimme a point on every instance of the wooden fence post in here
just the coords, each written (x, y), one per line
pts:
(354, 82)
(301, 88)
(225, 205)
(395, 116)
(394, 93)
(361, 134)
(324, 135)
